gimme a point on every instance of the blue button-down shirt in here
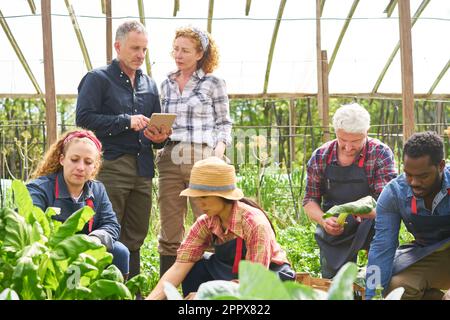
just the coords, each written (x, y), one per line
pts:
(393, 204)
(105, 226)
(106, 101)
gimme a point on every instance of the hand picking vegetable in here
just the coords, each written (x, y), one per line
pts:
(362, 206)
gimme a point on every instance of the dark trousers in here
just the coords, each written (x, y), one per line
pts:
(131, 198)
(198, 275)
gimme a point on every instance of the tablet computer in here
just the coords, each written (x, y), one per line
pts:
(158, 119)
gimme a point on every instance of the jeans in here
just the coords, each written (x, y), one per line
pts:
(121, 257)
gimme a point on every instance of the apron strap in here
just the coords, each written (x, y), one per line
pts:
(89, 202)
(56, 188)
(364, 152)
(414, 205)
(238, 255)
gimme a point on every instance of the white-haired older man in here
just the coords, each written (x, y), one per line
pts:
(343, 170)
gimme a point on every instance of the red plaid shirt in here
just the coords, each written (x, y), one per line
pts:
(379, 165)
(248, 223)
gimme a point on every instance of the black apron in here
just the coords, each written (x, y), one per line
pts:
(223, 265)
(430, 232)
(341, 185)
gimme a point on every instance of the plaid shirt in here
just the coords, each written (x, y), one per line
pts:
(203, 111)
(379, 166)
(248, 223)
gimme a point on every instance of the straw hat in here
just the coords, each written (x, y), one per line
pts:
(213, 177)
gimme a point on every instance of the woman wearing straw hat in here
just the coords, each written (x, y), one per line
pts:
(237, 228)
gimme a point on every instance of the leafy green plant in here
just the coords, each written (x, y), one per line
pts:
(301, 247)
(254, 281)
(41, 258)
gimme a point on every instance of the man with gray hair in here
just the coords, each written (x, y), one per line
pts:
(116, 101)
(344, 170)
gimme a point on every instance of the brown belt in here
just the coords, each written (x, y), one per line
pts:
(173, 143)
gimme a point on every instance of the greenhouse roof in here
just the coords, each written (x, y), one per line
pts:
(359, 37)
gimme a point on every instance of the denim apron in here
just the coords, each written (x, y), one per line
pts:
(341, 185)
(223, 265)
(430, 232)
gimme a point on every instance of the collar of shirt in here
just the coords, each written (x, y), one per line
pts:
(235, 226)
(64, 192)
(197, 75)
(117, 71)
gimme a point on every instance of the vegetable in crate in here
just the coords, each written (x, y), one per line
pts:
(362, 206)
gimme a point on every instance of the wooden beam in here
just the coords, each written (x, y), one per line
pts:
(272, 45)
(176, 7)
(79, 34)
(247, 7)
(50, 92)
(142, 19)
(108, 12)
(397, 47)
(319, 60)
(325, 99)
(439, 119)
(407, 68)
(390, 8)
(292, 124)
(210, 15)
(343, 31)
(439, 77)
(32, 6)
(19, 53)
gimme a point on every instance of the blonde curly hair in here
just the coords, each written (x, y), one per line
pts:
(210, 59)
(50, 163)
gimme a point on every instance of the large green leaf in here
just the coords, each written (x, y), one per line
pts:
(139, 283)
(9, 294)
(299, 291)
(43, 220)
(72, 285)
(112, 273)
(26, 281)
(71, 247)
(108, 289)
(254, 280)
(23, 200)
(342, 286)
(33, 250)
(100, 255)
(37, 234)
(17, 231)
(72, 225)
(77, 293)
(216, 289)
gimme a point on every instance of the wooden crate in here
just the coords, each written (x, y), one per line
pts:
(324, 284)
